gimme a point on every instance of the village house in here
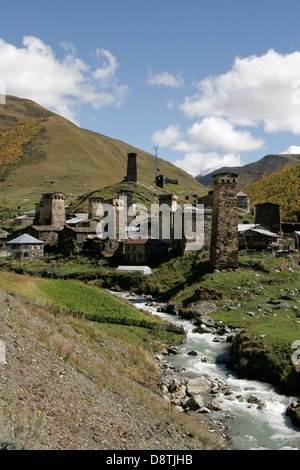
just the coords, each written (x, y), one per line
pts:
(144, 250)
(84, 240)
(23, 220)
(25, 246)
(243, 201)
(256, 237)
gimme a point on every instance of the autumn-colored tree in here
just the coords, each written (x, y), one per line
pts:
(12, 142)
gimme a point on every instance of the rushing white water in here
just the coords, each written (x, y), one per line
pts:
(251, 428)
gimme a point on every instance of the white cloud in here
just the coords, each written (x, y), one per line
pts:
(200, 141)
(257, 90)
(217, 133)
(196, 163)
(293, 149)
(165, 79)
(34, 72)
(167, 137)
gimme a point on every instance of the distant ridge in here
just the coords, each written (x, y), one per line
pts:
(252, 172)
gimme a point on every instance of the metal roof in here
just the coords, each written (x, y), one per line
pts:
(244, 227)
(266, 232)
(25, 239)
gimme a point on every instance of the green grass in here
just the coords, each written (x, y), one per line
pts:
(258, 287)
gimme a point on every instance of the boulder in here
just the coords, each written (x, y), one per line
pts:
(205, 320)
(198, 386)
(193, 353)
(194, 403)
(215, 406)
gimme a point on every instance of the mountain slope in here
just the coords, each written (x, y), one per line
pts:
(252, 172)
(282, 187)
(65, 157)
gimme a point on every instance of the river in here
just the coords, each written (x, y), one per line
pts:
(251, 428)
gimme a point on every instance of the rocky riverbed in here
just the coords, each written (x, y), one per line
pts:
(248, 413)
(194, 396)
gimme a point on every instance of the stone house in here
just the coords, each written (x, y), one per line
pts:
(25, 246)
(243, 201)
(79, 240)
(144, 250)
(23, 220)
(45, 233)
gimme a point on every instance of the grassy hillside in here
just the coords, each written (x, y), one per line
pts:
(73, 384)
(64, 157)
(282, 187)
(249, 174)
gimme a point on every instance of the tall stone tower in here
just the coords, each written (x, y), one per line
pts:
(51, 210)
(131, 168)
(224, 231)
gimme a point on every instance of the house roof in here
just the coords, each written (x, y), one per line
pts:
(76, 220)
(266, 232)
(240, 193)
(139, 269)
(257, 228)
(25, 239)
(245, 227)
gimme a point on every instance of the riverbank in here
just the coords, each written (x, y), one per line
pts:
(262, 299)
(248, 414)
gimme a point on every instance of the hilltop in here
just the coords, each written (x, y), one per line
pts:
(282, 187)
(49, 153)
(252, 172)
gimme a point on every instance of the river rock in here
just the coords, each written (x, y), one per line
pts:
(173, 350)
(193, 353)
(253, 399)
(205, 320)
(215, 406)
(198, 386)
(202, 329)
(194, 403)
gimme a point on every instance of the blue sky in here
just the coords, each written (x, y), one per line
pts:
(211, 83)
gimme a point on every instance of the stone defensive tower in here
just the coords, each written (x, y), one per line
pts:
(224, 231)
(94, 203)
(268, 215)
(51, 210)
(131, 168)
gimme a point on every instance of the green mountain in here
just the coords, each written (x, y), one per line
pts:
(42, 151)
(252, 172)
(282, 187)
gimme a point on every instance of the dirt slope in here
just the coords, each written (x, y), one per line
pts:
(55, 393)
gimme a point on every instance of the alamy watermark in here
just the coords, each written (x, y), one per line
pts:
(2, 352)
(2, 92)
(296, 354)
(296, 93)
(160, 222)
